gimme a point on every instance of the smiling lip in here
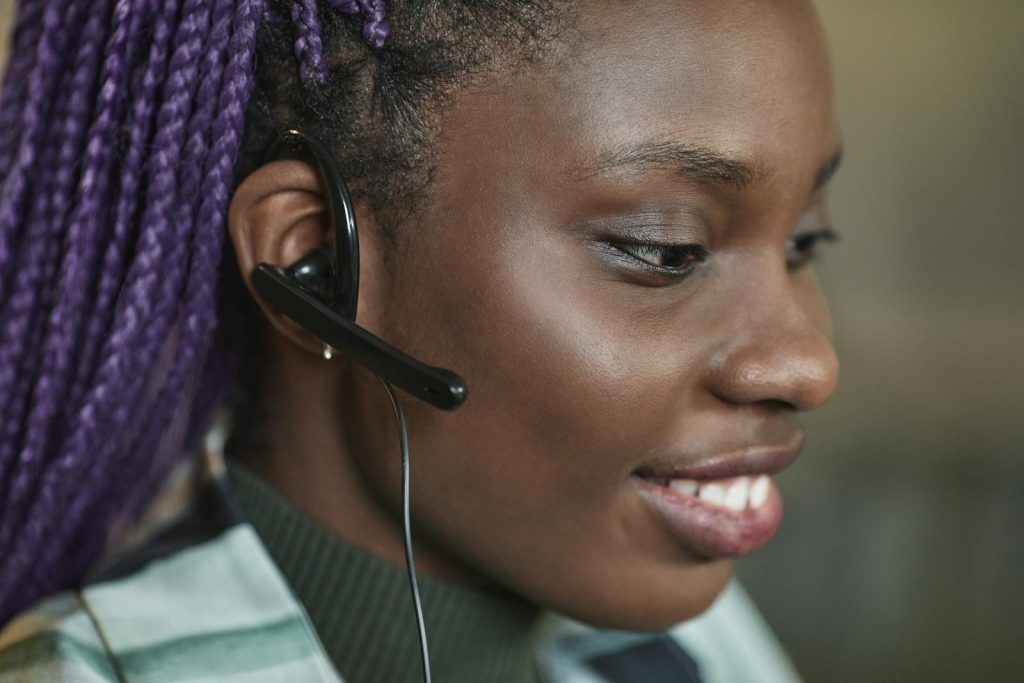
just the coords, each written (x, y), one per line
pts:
(714, 530)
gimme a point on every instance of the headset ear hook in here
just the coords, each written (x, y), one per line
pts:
(343, 254)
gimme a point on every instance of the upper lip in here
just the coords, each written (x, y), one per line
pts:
(749, 460)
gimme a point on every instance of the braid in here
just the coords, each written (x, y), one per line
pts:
(120, 210)
(309, 44)
(25, 32)
(184, 78)
(218, 120)
(64, 322)
(40, 83)
(25, 311)
(125, 126)
(101, 254)
(23, 525)
(376, 28)
(309, 50)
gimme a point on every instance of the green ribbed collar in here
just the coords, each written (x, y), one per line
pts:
(362, 611)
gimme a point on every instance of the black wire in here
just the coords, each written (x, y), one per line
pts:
(410, 566)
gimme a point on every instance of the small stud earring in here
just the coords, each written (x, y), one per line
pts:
(328, 351)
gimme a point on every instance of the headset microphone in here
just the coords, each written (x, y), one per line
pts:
(320, 293)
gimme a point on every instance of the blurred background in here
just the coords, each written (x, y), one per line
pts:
(902, 555)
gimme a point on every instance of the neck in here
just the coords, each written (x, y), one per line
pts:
(304, 449)
(361, 608)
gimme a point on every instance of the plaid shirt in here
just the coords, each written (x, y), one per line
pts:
(200, 600)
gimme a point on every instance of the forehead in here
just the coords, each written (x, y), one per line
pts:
(748, 79)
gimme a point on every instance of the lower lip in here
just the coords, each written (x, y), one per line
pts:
(710, 530)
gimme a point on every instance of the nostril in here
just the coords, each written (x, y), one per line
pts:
(775, 405)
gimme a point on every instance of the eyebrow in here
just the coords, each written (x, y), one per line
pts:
(694, 162)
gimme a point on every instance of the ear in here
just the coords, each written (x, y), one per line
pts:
(277, 215)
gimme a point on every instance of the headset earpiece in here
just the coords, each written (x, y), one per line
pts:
(314, 272)
(320, 291)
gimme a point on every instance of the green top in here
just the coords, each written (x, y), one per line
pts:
(361, 607)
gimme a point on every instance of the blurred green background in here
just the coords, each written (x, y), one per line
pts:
(902, 555)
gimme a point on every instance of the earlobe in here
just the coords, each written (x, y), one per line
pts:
(277, 215)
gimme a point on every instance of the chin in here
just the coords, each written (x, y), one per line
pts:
(644, 605)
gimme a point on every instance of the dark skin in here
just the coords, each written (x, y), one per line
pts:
(583, 364)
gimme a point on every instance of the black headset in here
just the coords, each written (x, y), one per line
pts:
(320, 291)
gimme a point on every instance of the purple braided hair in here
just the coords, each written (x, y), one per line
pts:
(376, 27)
(309, 46)
(33, 286)
(27, 26)
(120, 125)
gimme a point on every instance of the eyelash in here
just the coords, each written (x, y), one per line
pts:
(694, 255)
(804, 246)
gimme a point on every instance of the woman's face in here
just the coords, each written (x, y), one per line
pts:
(609, 377)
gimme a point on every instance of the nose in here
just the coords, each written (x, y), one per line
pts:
(779, 350)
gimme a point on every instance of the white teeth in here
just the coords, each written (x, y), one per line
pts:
(736, 498)
(759, 491)
(687, 486)
(712, 493)
(736, 494)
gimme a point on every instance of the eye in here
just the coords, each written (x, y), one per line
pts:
(676, 260)
(801, 249)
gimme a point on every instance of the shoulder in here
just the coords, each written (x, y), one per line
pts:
(729, 643)
(199, 601)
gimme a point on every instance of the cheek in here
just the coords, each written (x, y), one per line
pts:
(564, 381)
(568, 389)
